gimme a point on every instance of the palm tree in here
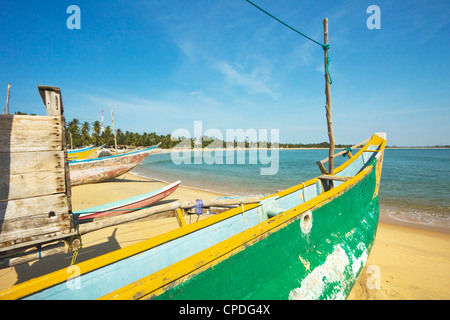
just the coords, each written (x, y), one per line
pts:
(85, 136)
(75, 133)
(96, 133)
(120, 137)
(107, 136)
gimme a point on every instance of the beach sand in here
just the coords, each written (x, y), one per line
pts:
(405, 262)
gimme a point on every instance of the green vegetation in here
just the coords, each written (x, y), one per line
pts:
(83, 134)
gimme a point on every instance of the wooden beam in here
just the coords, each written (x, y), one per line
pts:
(337, 178)
(51, 96)
(38, 253)
(7, 99)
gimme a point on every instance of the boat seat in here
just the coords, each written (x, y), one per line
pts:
(332, 177)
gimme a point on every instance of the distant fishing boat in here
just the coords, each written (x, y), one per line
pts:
(106, 168)
(82, 153)
(310, 241)
(127, 205)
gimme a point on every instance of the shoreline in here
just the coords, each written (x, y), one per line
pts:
(412, 263)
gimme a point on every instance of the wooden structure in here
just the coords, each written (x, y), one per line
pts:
(35, 204)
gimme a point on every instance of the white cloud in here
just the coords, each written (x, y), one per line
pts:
(254, 82)
(202, 97)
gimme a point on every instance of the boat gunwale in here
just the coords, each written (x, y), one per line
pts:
(80, 149)
(41, 283)
(114, 156)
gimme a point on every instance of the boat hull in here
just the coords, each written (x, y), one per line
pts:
(320, 258)
(127, 205)
(104, 169)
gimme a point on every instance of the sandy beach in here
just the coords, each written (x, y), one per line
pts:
(405, 262)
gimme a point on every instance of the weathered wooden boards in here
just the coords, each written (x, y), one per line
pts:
(35, 202)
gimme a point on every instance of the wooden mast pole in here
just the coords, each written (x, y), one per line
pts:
(328, 101)
(7, 99)
(114, 130)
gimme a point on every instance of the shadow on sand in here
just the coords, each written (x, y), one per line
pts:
(50, 264)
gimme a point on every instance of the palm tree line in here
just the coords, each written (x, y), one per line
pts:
(84, 134)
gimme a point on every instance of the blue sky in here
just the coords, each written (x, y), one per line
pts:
(161, 65)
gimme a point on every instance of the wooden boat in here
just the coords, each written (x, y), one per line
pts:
(307, 242)
(127, 205)
(83, 153)
(103, 169)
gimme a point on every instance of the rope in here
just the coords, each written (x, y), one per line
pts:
(77, 236)
(347, 151)
(325, 47)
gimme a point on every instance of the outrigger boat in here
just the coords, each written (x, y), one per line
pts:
(127, 205)
(307, 242)
(106, 168)
(83, 153)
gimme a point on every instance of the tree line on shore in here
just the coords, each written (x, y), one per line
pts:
(83, 134)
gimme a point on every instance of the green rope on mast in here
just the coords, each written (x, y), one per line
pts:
(324, 46)
(327, 71)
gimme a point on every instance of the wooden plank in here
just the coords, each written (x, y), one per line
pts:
(321, 167)
(30, 133)
(337, 178)
(20, 186)
(24, 229)
(13, 209)
(29, 162)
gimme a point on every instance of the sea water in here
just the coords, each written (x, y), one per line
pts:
(415, 183)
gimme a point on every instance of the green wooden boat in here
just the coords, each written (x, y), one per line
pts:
(310, 241)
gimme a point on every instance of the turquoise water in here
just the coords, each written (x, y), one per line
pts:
(414, 185)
